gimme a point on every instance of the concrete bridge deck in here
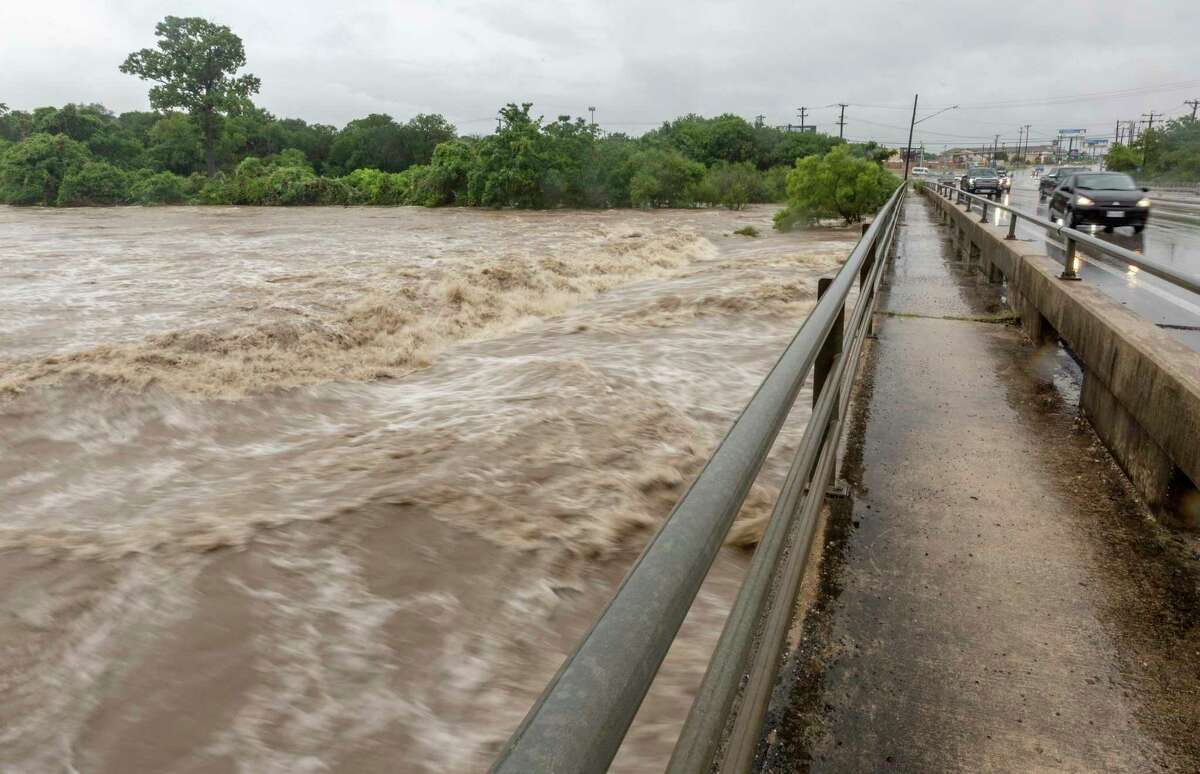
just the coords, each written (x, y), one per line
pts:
(996, 598)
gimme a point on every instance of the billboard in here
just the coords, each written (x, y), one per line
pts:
(1072, 131)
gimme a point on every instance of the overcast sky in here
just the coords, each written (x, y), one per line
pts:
(642, 61)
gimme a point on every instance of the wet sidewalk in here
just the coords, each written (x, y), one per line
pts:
(995, 599)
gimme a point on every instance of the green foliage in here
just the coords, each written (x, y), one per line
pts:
(733, 185)
(175, 145)
(1173, 152)
(747, 231)
(775, 184)
(194, 66)
(147, 187)
(32, 171)
(263, 160)
(96, 183)
(838, 184)
(446, 180)
(379, 142)
(1122, 158)
(663, 178)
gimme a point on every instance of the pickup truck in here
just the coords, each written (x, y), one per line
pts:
(981, 180)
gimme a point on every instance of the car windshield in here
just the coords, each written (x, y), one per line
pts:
(982, 172)
(1106, 181)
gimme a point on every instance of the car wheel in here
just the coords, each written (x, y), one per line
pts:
(1072, 219)
(1108, 229)
(1139, 229)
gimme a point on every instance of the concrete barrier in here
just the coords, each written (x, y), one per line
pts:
(1141, 387)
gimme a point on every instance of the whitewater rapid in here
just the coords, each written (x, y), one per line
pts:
(290, 490)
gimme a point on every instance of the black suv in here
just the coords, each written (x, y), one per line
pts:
(1051, 179)
(1107, 199)
(981, 180)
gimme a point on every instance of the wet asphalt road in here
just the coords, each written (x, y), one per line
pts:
(995, 599)
(1165, 241)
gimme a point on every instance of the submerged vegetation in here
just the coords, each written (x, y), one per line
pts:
(205, 142)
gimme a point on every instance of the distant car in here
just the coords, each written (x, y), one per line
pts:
(1107, 199)
(920, 171)
(1005, 179)
(1053, 178)
(981, 180)
(948, 178)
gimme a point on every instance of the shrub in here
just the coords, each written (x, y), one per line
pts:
(734, 185)
(837, 184)
(96, 183)
(748, 231)
(157, 188)
(663, 178)
(32, 171)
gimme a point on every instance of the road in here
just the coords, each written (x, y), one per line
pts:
(1167, 242)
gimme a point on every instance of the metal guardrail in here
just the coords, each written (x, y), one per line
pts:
(1072, 237)
(579, 722)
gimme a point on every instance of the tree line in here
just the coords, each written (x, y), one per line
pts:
(1170, 153)
(205, 142)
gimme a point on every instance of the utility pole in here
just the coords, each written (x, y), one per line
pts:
(1194, 103)
(592, 110)
(842, 119)
(995, 148)
(802, 111)
(759, 121)
(908, 149)
(1117, 134)
(1146, 143)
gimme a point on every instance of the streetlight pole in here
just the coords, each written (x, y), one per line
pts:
(592, 110)
(911, 125)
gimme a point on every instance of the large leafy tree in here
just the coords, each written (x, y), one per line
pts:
(195, 65)
(837, 184)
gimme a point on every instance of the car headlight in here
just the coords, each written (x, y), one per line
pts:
(1083, 201)
(1143, 203)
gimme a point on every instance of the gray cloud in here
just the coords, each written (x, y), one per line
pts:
(642, 61)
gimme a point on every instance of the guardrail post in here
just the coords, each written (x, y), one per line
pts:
(831, 347)
(865, 271)
(1012, 225)
(968, 204)
(1069, 264)
(983, 216)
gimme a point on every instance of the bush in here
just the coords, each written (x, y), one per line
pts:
(157, 188)
(733, 185)
(96, 183)
(837, 184)
(748, 231)
(663, 178)
(32, 171)
(775, 184)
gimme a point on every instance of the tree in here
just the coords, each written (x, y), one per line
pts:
(1122, 158)
(194, 67)
(95, 183)
(174, 144)
(837, 184)
(32, 170)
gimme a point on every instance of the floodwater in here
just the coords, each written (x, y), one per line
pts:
(337, 489)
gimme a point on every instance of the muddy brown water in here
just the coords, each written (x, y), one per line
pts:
(337, 489)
